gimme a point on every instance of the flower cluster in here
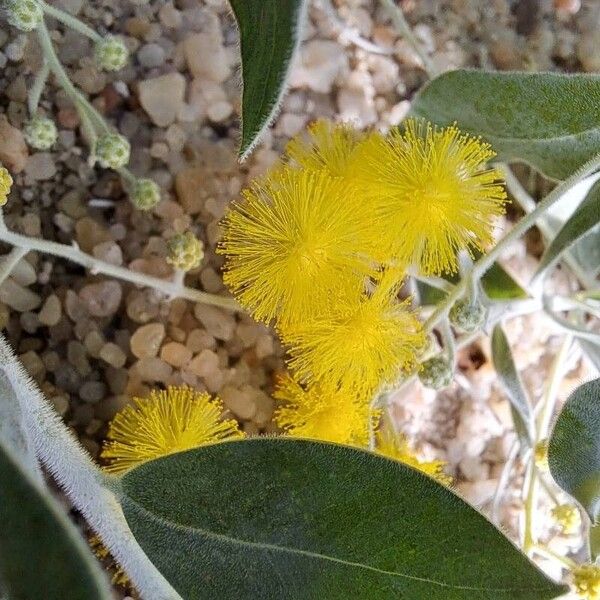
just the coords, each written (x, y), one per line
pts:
(567, 517)
(166, 422)
(6, 182)
(586, 581)
(320, 246)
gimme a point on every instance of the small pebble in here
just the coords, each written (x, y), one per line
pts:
(146, 341)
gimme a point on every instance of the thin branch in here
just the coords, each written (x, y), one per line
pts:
(95, 266)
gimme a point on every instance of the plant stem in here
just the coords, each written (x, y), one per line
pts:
(9, 262)
(527, 222)
(35, 93)
(527, 203)
(401, 24)
(82, 481)
(70, 21)
(73, 254)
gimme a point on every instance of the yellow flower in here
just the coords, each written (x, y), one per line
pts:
(567, 517)
(433, 192)
(6, 182)
(586, 580)
(360, 343)
(322, 413)
(328, 147)
(166, 422)
(396, 446)
(296, 236)
(119, 577)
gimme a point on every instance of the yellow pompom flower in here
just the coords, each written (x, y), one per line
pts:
(396, 446)
(6, 182)
(295, 237)
(362, 342)
(586, 581)
(322, 413)
(328, 147)
(433, 192)
(166, 422)
(568, 518)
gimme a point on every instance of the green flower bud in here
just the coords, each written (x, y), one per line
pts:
(25, 15)
(111, 53)
(145, 194)
(186, 251)
(436, 372)
(467, 316)
(112, 151)
(41, 133)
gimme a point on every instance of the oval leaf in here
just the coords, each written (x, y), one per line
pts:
(509, 376)
(269, 36)
(548, 120)
(582, 222)
(574, 450)
(42, 555)
(299, 520)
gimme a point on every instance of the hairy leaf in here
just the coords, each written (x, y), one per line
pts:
(574, 450)
(269, 35)
(509, 376)
(582, 222)
(293, 519)
(548, 120)
(42, 555)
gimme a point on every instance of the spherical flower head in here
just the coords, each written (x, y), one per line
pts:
(112, 151)
(327, 146)
(6, 182)
(396, 446)
(166, 422)
(436, 372)
(540, 455)
(568, 518)
(25, 15)
(145, 194)
(41, 133)
(586, 581)
(467, 315)
(111, 53)
(186, 251)
(433, 191)
(295, 237)
(360, 343)
(322, 413)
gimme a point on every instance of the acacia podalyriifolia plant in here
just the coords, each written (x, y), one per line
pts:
(374, 257)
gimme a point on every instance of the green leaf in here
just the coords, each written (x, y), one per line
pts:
(269, 35)
(278, 518)
(509, 376)
(42, 555)
(497, 284)
(582, 222)
(574, 449)
(548, 120)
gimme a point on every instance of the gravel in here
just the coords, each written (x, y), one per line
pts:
(92, 343)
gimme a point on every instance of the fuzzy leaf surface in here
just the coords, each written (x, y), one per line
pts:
(277, 518)
(509, 376)
(574, 450)
(269, 35)
(42, 555)
(548, 120)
